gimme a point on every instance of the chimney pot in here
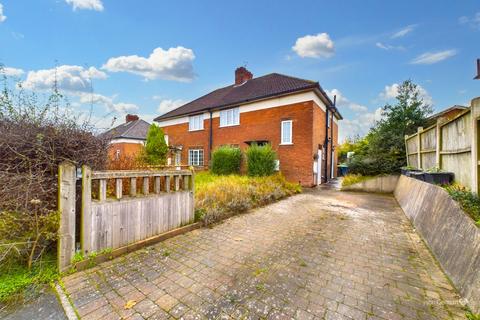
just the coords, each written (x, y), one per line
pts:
(478, 70)
(131, 117)
(242, 75)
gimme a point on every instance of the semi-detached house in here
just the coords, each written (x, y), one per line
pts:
(294, 115)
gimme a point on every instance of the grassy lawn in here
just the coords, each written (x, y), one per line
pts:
(218, 197)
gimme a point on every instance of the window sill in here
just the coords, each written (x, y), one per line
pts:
(286, 144)
(196, 130)
(229, 125)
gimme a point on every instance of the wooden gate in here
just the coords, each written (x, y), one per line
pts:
(166, 202)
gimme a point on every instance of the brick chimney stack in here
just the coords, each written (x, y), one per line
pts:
(131, 117)
(242, 75)
(478, 70)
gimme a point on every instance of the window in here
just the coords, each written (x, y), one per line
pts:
(229, 117)
(195, 157)
(286, 133)
(196, 122)
(178, 158)
(166, 139)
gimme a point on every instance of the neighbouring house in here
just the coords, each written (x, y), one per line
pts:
(446, 114)
(127, 139)
(294, 115)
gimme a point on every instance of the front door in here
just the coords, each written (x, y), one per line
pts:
(318, 167)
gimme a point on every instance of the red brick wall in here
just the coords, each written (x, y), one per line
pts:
(126, 149)
(296, 161)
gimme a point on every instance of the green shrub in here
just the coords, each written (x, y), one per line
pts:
(156, 148)
(350, 179)
(226, 160)
(218, 197)
(261, 160)
(468, 200)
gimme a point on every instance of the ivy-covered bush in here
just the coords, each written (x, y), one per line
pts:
(261, 160)
(226, 160)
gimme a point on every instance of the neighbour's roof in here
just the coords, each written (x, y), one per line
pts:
(446, 111)
(270, 85)
(136, 129)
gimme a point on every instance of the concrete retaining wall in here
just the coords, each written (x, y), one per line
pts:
(451, 235)
(381, 184)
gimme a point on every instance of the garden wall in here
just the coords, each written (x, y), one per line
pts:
(380, 184)
(451, 235)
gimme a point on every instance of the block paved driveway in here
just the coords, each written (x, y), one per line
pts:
(324, 254)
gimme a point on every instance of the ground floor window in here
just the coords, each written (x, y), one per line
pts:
(195, 157)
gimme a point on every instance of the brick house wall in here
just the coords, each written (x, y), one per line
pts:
(296, 160)
(123, 149)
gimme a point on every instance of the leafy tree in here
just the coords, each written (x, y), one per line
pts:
(156, 148)
(384, 147)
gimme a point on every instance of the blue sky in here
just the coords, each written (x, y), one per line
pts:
(147, 57)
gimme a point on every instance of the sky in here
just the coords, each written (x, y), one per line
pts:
(147, 57)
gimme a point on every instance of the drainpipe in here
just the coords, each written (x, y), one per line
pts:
(210, 140)
(331, 137)
(325, 167)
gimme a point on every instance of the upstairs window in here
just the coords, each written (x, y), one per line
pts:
(195, 157)
(229, 117)
(166, 139)
(286, 132)
(195, 122)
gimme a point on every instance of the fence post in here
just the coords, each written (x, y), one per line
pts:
(419, 147)
(475, 115)
(406, 149)
(66, 208)
(86, 217)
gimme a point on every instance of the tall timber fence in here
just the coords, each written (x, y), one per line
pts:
(450, 145)
(112, 218)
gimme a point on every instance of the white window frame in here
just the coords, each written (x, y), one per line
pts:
(229, 117)
(283, 142)
(166, 139)
(191, 157)
(195, 122)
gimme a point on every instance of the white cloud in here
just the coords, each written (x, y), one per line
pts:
(2, 16)
(473, 21)
(172, 64)
(343, 102)
(168, 105)
(96, 5)
(390, 92)
(314, 46)
(385, 46)
(433, 57)
(403, 32)
(95, 98)
(358, 126)
(71, 79)
(12, 72)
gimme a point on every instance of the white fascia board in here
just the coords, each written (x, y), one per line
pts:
(273, 102)
(125, 140)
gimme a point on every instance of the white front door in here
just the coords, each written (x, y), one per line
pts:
(318, 166)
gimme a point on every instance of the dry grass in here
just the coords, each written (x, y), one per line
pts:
(350, 179)
(218, 197)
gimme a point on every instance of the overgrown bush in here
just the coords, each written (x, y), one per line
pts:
(226, 160)
(469, 201)
(261, 160)
(218, 197)
(350, 179)
(35, 137)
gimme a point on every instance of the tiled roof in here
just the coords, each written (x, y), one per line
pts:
(130, 130)
(257, 88)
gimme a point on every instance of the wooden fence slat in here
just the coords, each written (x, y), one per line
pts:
(145, 188)
(157, 186)
(177, 182)
(118, 188)
(133, 187)
(167, 184)
(66, 207)
(102, 189)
